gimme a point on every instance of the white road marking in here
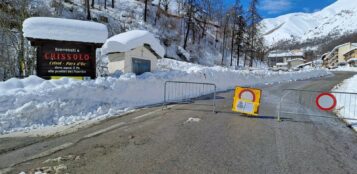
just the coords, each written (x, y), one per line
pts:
(150, 113)
(66, 145)
(43, 154)
(105, 130)
(51, 151)
(147, 114)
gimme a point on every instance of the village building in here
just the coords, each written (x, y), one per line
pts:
(135, 51)
(294, 63)
(283, 58)
(65, 47)
(351, 57)
(337, 56)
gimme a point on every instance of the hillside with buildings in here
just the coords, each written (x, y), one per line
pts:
(323, 38)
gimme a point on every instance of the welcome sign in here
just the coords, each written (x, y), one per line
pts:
(66, 60)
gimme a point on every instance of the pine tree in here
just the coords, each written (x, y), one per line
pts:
(253, 22)
(239, 38)
(237, 29)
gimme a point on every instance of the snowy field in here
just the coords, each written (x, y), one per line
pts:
(33, 103)
(348, 104)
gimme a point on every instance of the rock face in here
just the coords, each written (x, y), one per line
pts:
(337, 19)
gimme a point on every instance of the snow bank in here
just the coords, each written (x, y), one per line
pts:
(132, 39)
(348, 106)
(32, 102)
(345, 68)
(64, 30)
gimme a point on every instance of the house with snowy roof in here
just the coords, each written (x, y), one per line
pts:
(134, 51)
(65, 47)
(284, 57)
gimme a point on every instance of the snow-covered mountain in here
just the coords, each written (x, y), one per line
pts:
(337, 19)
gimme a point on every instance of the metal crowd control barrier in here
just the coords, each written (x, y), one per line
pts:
(318, 104)
(186, 92)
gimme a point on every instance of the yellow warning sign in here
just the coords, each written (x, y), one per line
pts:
(247, 100)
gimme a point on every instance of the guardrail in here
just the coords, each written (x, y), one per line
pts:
(318, 104)
(181, 92)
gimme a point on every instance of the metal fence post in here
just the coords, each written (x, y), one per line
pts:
(164, 104)
(214, 99)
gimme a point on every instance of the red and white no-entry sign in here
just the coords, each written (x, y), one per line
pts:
(326, 101)
(247, 94)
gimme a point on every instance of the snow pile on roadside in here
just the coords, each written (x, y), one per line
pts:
(346, 68)
(34, 103)
(345, 103)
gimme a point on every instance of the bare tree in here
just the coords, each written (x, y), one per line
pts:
(207, 11)
(225, 26)
(88, 9)
(166, 4)
(190, 9)
(158, 12)
(92, 5)
(113, 2)
(146, 10)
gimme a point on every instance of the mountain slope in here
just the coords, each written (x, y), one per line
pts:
(336, 19)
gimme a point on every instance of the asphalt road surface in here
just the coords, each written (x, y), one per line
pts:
(167, 141)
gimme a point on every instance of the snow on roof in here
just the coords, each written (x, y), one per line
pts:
(275, 54)
(352, 60)
(352, 49)
(132, 39)
(297, 59)
(281, 64)
(64, 30)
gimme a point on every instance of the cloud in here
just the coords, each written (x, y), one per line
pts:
(275, 6)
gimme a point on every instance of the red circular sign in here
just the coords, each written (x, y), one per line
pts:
(247, 92)
(326, 101)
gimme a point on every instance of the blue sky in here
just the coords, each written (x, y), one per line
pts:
(274, 8)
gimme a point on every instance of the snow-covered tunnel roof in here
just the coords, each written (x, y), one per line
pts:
(130, 40)
(64, 30)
